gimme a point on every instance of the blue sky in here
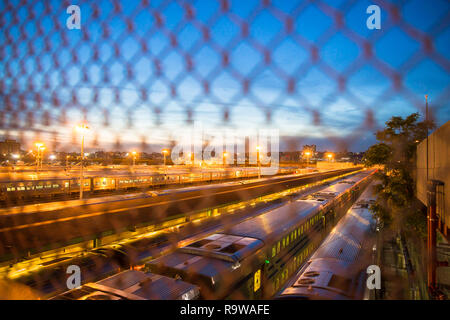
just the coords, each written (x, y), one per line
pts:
(291, 91)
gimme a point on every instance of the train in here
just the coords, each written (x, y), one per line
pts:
(307, 217)
(253, 259)
(25, 189)
(133, 285)
(338, 268)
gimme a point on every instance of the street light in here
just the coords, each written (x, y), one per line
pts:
(225, 155)
(165, 152)
(259, 163)
(38, 145)
(190, 156)
(329, 156)
(134, 157)
(83, 128)
(307, 153)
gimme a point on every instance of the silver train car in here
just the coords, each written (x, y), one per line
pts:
(133, 285)
(254, 258)
(25, 189)
(337, 270)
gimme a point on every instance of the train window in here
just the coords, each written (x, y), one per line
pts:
(292, 236)
(66, 184)
(257, 281)
(39, 187)
(56, 186)
(287, 240)
(274, 251)
(283, 243)
(278, 247)
(86, 184)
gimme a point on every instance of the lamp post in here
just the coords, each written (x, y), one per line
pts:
(224, 159)
(259, 162)
(164, 152)
(329, 156)
(134, 158)
(38, 145)
(307, 153)
(82, 128)
(41, 156)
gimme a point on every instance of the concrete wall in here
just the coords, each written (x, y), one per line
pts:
(438, 166)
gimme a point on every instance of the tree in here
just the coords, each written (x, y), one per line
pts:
(396, 152)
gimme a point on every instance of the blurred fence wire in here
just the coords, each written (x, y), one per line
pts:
(136, 69)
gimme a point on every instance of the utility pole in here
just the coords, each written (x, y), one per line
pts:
(82, 128)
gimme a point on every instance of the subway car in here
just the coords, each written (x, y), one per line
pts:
(338, 269)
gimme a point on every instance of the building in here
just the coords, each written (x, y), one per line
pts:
(438, 170)
(433, 190)
(311, 148)
(9, 146)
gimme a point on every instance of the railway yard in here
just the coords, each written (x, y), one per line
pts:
(241, 238)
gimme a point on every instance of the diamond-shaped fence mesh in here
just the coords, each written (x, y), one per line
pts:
(137, 70)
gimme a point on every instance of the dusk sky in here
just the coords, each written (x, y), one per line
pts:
(289, 91)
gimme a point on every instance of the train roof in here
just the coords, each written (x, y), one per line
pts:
(211, 256)
(210, 259)
(282, 218)
(334, 270)
(133, 285)
(274, 222)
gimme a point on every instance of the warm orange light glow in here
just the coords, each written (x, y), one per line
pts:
(82, 128)
(165, 151)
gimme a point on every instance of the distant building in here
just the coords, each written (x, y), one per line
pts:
(9, 146)
(311, 148)
(309, 151)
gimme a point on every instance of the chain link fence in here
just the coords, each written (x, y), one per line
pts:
(137, 70)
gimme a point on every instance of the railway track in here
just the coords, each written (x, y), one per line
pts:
(41, 227)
